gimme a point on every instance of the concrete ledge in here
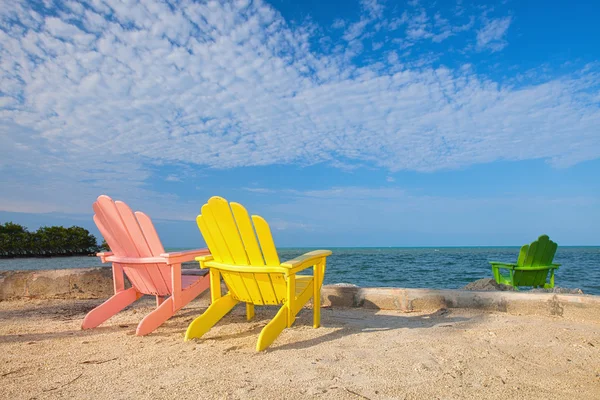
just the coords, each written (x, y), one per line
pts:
(76, 283)
(585, 307)
(96, 283)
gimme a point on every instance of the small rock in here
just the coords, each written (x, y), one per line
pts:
(487, 284)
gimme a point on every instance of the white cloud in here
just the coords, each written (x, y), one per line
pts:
(373, 8)
(492, 35)
(91, 106)
(338, 24)
(173, 178)
(282, 225)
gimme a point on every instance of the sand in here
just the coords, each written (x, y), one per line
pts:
(356, 354)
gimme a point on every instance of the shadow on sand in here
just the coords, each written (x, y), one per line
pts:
(368, 319)
(345, 321)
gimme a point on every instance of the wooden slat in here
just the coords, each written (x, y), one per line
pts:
(549, 254)
(266, 240)
(280, 286)
(266, 289)
(542, 245)
(156, 279)
(113, 243)
(150, 234)
(131, 228)
(229, 230)
(252, 287)
(214, 251)
(247, 234)
(522, 255)
(253, 251)
(112, 220)
(217, 236)
(530, 254)
(134, 277)
(107, 213)
(226, 275)
(155, 246)
(240, 289)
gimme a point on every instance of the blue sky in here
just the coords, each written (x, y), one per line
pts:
(356, 123)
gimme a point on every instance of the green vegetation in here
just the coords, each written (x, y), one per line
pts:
(104, 246)
(17, 241)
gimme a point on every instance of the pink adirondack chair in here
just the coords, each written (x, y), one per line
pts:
(138, 252)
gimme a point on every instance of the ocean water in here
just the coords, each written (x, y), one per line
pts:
(425, 267)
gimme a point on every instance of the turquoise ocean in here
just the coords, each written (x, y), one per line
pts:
(411, 267)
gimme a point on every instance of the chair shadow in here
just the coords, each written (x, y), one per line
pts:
(177, 325)
(367, 320)
(75, 308)
(349, 321)
(72, 311)
(32, 338)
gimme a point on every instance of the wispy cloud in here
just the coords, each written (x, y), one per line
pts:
(95, 92)
(492, 35)
(173, 178)
(400, 217)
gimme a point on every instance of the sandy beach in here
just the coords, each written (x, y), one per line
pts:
(356, 354)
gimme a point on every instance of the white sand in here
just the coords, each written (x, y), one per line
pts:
(357, 354)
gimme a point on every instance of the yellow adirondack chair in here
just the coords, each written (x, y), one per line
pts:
(252, 271)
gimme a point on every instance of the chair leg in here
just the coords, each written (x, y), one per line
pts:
(317, 295)
(249, 311)
(210, 317)
(316, 306)
(551, 284)
(272, 330)
(496, 273)
(110, 307)
(156, 318)
(291, 299)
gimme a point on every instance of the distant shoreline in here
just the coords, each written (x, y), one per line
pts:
(4, 257)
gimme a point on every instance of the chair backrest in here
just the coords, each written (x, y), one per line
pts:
(537, 254)
(130, 234)
(235, 238)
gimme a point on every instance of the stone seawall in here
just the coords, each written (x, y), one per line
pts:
(572, 306)
(76, 283)
(96, 283)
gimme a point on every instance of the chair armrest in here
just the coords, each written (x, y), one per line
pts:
(183, 256)
(165, 258)
(288, 267)
(538, 268)
(253, 269)
(498, 264)
(136, 260)
(204, 258)
(555, 266)
(306, 260)
(103, 255)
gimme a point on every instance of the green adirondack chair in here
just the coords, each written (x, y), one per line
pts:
(532, 267)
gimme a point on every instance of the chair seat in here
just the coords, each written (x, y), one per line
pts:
(195, 272)
(302, 281)
(187, 281)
